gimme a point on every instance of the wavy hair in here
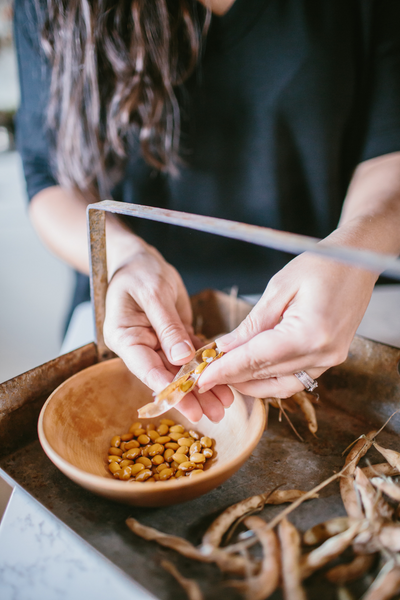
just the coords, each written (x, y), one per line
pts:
(116, 67)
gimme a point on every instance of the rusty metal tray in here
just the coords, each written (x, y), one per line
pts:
(354, 397)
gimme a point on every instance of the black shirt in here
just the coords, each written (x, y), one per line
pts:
(291, 95)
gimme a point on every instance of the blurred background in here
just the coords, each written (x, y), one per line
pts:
(35, 287)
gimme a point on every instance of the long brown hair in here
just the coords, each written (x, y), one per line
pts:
(115, 69)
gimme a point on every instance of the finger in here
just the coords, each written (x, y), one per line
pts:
(211, 406)
(275, 387)
(147, 365)
(224, 395)
(173, 337)
(184, 307)
(190, 408)
(266, 355)
(266, 314)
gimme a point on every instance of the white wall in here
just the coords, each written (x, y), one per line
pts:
(35, 287)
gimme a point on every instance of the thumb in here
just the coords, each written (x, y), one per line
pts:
(172, 334)
(266, 314)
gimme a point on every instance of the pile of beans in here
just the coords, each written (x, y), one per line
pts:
(158, 453)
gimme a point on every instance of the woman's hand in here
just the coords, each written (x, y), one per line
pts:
(305, 320)
(148, 324)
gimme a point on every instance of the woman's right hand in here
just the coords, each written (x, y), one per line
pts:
(149, 325)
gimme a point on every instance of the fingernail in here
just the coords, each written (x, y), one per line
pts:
(226, 339)
(181, 350)
(203, 390)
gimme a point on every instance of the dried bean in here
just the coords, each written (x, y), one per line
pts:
(136, 425)
(132, 444)
(144, 460)
(137, 468)
(144, 475)
(143, 439)
(163, 439)
(156, 449)
(163, 429)
(114, 458)
(115, 451)
(206, 442)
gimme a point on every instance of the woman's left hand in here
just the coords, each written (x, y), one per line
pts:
(305, 321)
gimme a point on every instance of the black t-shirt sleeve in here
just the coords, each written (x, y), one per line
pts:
(383, 81)
(34, 77)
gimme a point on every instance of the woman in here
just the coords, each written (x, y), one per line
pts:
(275, 113)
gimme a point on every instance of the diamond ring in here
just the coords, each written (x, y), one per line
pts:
(309, 383)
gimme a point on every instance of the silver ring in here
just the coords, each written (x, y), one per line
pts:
(309, 383)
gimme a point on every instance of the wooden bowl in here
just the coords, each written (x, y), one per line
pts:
(81, 416)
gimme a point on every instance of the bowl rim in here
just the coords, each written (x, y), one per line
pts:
(109, 484)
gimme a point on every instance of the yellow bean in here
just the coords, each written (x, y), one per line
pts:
(139, 431)
(172, 445)
(116, 441)
(174, 464)
(123, 446)
(137, 468)
(161, 467)
(206, 442)
(144, 461)
(151, 479)
(179, 473)
(157, 459)
(150, 427)
(168, 455)
(186, 385)
(115, 451)
(166, 474)
(200, 368)
(114, 467)
(209, 353)
(179, 458)
(143, 439)
(195, 447)
(182, 450)
(133, 453)
(145, 450)
(132, 444)
(187, 466)
(183, 441)
(125, 473)
(126, 437)
(156, 449)
(177, 428)
(156, 476)
(163, 429)
(194, 434)
(114, 458)
(208, 452)
(153, 435)
(125, 463)
(143, 475)
(195, 472)
(175, 436)
(197, 457)
(136, 425)
(168, 422)
(163, 439)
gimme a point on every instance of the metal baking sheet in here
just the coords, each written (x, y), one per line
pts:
(354, 398)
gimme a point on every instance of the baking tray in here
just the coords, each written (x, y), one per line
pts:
(354, 397)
